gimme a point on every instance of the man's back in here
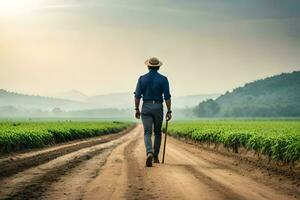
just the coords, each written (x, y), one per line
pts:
(152, 85)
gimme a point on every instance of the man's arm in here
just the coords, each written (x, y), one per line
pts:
(167, 97)
(137, 108)
(168, 104)
(137, 103)
(169, 112)
(137, 99)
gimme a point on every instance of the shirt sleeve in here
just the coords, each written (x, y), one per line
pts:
(138, 89)
(166, 90)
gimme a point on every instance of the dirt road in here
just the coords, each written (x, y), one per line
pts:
(115, 169)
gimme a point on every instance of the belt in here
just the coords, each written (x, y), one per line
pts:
(152, 101)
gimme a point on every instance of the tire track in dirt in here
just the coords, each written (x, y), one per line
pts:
(170, 180)
(276, 179)
(72, 184)
(33, 182)
(221, 175)
(40, 184)
(226, 192)
(75, 183)
(185, 175)
(245, 159)
(112, 181)
(13, 164)
(136, 175)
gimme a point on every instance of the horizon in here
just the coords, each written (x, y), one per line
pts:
(104, 94)
(99, 47)
(54, 95)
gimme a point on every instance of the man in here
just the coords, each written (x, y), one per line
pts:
(153, 88)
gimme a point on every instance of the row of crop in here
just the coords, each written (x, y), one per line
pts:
(279, 140)
(18, 136)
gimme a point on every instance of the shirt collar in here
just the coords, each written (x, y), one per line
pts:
(152, 71)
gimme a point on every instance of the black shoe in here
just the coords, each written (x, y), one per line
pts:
(149, 160)
(156, 160)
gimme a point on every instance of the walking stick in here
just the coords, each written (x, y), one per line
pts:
(165, 142)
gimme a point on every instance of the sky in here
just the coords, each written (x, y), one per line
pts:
(99, 46)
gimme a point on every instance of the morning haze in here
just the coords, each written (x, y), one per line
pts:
(99, 47)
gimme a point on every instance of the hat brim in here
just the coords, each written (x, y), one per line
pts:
(151, 65)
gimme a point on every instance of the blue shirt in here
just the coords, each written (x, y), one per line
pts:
(152, 86)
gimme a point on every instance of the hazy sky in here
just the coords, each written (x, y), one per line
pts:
(99, 46)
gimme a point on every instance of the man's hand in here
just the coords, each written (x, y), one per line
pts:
(137, 108)
(168, 116)
(169, 112)
(137, 114)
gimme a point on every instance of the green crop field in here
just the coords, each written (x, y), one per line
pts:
(280, 140)
(25, 135)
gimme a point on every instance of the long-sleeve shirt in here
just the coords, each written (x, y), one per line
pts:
(152, 86)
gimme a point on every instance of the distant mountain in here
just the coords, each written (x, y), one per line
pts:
(21, 105)
(73, 95)
(113, 113)
(38, 102)
(276, 96)
(125, 100)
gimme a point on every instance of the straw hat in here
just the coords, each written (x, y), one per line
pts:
(153, 62)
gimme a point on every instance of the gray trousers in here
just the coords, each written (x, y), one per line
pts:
(152, 118)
